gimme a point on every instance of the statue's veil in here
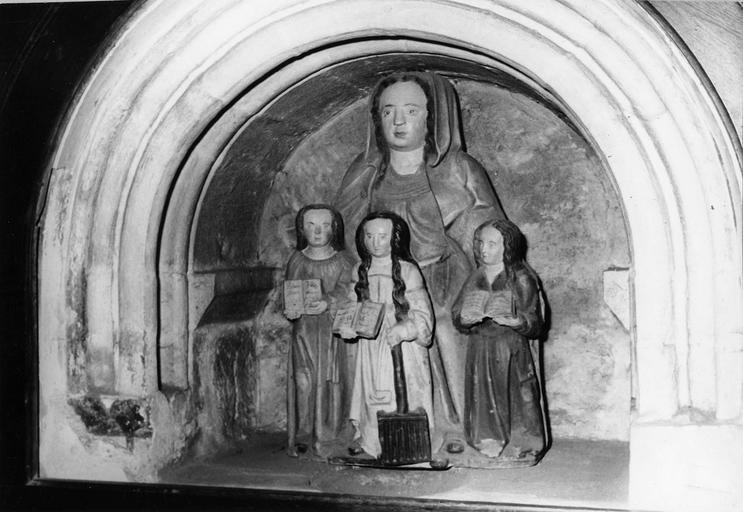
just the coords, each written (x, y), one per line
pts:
(447, 137)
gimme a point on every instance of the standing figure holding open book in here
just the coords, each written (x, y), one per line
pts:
(500, 309)
(387, 274)
(318, 274)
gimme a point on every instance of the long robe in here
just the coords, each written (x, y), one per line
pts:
(318, 382)
(374, 385)
(502, 395)
(450, 196)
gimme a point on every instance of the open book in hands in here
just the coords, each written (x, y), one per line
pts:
(480, 304)
(363, 318)
(301, 294)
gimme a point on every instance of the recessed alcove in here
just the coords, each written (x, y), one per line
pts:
(294, 151)
(171, 194)
(550, 182)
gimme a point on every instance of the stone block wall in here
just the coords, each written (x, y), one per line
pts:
(225, 388)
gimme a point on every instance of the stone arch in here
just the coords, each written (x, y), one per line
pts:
(146, 118)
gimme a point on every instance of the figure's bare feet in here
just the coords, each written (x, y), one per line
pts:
(519, 452)
(355, 450)
(455, 447)
(439, 463)
(452, 444)
(296, 449)
(490, 447)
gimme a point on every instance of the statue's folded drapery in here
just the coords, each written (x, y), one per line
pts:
(319, 379)
(374, 384)
(502, 389)
(443, 202)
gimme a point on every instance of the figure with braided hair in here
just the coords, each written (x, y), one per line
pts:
(388, 274)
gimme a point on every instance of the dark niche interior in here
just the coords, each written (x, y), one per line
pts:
(294, 152)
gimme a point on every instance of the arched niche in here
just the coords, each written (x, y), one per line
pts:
(143, 125)
(295, 152)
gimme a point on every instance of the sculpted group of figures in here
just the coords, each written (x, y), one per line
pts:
(425, 235)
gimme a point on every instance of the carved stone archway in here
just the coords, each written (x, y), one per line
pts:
(160, 104)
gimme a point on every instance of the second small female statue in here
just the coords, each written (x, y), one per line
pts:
(388, 274)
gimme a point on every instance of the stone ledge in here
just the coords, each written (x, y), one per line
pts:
(686, 467)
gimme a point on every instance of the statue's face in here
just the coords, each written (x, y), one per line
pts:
(377, 237)
(489, 246)
(317, 226)
(403, 114)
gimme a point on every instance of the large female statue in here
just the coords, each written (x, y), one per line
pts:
(414, 165)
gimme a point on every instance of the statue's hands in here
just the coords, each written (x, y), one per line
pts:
(292, 314)
(315, 308)
(397, 334)
(468, 320)
(498, 306)
(507, 320)
(347, 333)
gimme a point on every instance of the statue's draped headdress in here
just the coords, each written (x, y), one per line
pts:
(446, 137)
(445, 158)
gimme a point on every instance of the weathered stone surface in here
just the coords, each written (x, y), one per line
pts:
(686, 467)
(617, 294)
(311, 175)
(122, 418)
(100, 452)
(172, 445)
(224, 384)
(94, 415)
(273, 336)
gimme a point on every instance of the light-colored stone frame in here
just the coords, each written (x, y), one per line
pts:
(175, 67)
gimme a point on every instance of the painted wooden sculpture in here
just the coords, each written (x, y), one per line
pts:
(317, 275)
(414, 165)
(500, 308)
(387, 274)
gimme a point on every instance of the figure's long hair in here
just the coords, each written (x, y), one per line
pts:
(514, 259)
(379, 134)
(337, 240)
(514, 245)
(400, 245)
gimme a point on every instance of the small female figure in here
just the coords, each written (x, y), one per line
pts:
(318, 381)
(388, 274)
(502, 411)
